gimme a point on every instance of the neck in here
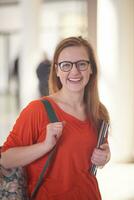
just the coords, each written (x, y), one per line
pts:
(74, 99)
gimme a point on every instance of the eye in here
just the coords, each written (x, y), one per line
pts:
(65, 66)
(82, 65)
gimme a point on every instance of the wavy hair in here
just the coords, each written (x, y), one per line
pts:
(96, 111)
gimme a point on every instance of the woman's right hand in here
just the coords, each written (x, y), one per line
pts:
(53, 133)
(26, 154)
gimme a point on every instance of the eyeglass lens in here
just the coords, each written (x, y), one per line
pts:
(80, 65)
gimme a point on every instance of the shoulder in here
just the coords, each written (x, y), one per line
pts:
(33, 106)
(35, 109)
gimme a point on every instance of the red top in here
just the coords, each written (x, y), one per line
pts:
(68, 178)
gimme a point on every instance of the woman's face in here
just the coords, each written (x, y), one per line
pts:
(76, 78)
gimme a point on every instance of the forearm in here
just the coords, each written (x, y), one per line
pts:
(21, 156)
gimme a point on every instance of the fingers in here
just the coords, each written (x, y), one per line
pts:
(98, 158)
(101, 156)
(55, 125)
(55, 129)
(104, 146)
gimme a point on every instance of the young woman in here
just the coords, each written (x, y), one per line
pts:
(74, 97)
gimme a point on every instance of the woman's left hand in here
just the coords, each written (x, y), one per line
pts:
(101, 155)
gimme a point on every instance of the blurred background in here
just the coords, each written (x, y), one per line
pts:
(29, 32)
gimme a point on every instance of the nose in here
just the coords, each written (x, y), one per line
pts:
(74, 69)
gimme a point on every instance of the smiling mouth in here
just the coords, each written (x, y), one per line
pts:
(74, 80)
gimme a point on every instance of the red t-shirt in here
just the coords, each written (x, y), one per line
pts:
(68, 177)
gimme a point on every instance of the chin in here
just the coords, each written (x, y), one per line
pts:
(75, 89)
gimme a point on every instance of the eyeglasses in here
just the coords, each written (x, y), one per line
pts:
(81, 65)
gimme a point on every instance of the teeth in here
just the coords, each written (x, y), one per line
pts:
(74, 79)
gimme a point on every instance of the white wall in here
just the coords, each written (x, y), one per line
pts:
(115, 48)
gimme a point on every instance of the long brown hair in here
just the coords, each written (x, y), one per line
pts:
(95, 109)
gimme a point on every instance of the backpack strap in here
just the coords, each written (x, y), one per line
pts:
(50, 111)
(53, 118)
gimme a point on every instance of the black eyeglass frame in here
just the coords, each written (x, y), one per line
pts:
(76, 65)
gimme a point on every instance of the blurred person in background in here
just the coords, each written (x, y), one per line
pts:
(74, 97)
(14, 81)
(42, 72)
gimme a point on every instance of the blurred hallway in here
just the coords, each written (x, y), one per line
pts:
(8, 113)
(109, 24)
(116, 181)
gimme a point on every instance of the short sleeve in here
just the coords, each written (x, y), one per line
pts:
(29, 128)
